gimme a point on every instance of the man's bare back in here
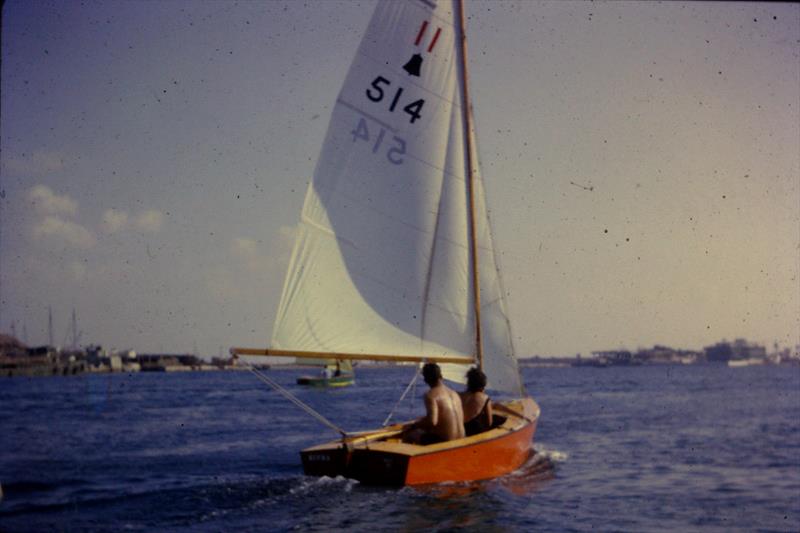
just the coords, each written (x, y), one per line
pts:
(445, 415)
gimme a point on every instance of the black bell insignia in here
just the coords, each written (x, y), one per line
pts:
(413, 65)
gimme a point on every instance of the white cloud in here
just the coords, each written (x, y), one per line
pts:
(260, 270)
(245, 247)
(286, 237)
(47, 202)
(114, 220)
(37, 163)
(247, 251)
(150, 221)
(64, 230)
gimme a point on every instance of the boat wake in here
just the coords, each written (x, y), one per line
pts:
(544, 452)
(312, 484)
(539, 469)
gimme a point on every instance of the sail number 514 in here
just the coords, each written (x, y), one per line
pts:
(395, 151)
(376, 94)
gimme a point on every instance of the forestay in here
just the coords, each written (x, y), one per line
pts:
(381, 264)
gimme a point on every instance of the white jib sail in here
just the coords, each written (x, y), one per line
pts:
(381, 263)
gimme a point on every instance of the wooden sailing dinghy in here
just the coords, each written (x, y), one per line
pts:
(392, 234)
(335, 374)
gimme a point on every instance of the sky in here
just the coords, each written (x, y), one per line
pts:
(641, 161)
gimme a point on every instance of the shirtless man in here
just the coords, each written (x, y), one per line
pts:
(444, 419)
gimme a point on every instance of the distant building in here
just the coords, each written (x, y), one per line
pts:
(616, 357)
(740, 350)
(16, 359)
(169, 363)
(718, 353)
(664, 355)
(11, 346)
(744, 350)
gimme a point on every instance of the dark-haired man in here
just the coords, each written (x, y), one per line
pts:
(444, 418)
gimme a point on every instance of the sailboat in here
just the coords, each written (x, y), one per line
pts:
(334, 374)
(394, 259)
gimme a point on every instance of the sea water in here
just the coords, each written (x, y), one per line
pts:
(651, 448)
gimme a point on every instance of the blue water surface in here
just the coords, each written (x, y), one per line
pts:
(652, 448)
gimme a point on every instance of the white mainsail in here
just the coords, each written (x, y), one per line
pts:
(382, 264)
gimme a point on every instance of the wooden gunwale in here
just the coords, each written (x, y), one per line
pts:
(372, 459)
(415, 450)
(478, 442)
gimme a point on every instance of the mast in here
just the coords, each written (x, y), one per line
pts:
(50, 327)
(74, 330)
(466, 108)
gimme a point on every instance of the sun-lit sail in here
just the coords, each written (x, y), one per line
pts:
(382, 264)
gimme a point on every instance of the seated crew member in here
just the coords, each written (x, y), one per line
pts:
(476, 404)
(444, 419)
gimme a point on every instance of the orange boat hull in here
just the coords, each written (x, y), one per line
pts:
(380, 458)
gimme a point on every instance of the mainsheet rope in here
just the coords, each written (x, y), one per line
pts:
(294, 399)
(408, 388)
